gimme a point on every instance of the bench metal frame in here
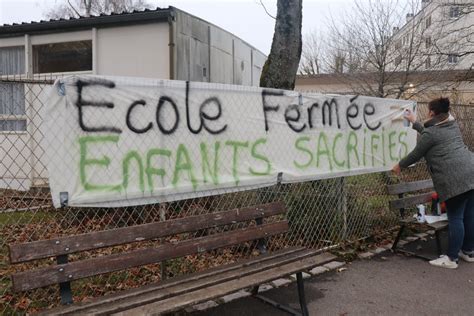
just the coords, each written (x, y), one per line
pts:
(404, 202)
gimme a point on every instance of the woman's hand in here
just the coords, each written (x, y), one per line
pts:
(410, 116)
(396, 169)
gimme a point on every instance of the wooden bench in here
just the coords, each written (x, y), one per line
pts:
(178, 292)
(403, 202)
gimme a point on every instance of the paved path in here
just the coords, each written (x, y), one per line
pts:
(384, 285)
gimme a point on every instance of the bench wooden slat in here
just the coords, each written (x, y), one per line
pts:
(409, 186)
(77, 270)
(67, 245)
(139, 297)
(182, 301)
(184, 279)
(410, 201)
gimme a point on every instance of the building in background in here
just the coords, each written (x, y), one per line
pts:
(441, 34)
(431, 55)
(162, 43)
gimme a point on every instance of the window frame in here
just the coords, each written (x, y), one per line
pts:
(36, 69)
(454, 11)
(453, 59)
(428, 43)
(9, 117)
(428, 22)
(428, 62)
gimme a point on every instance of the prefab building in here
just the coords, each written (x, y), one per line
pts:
(162, 43)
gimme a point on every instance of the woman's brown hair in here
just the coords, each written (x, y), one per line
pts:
(440, 105)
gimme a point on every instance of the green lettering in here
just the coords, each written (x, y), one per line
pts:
(126, 165)
(299, 146)
(150, 171)
(183, 163)
(352, 146)
(373, 146)
(391, 144)
(364, 151)
(206, 165)
(402, 142)
(383, 145)
(235, 157)
(104, 161)
(260, 157)
(334, 145)
(323, 140)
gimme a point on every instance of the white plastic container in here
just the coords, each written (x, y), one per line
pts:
(420, 217)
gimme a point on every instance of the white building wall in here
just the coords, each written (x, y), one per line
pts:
(60, 37)
(138, 50)
(13, 41)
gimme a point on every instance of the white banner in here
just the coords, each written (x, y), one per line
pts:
(116, 141)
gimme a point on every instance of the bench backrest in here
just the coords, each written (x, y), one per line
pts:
(68, 271)
(410, 187)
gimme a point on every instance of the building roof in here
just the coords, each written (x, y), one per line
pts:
(416, 77)
(103, 20)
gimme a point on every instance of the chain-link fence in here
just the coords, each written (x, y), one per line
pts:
(322, 214)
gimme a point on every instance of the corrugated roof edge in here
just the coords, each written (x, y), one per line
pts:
(62, 25)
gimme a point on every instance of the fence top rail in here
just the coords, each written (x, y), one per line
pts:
(26, 80)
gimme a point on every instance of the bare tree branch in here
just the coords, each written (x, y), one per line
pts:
(73, 8)
(77, 8)
(266, 11)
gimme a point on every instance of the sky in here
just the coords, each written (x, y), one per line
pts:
(244, 18)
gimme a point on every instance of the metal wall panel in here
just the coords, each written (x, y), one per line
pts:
(206, 52)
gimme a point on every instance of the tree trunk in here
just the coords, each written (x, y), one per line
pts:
(281, 66)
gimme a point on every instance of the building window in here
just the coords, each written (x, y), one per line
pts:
(453, 59)
(428, 42)
(12, 60)
(398, 61)
(454, 11)
(428, 62)
(398, 45)
(62, 57)
(12, 107)
(428, 22)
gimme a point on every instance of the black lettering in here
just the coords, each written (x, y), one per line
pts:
(329, 105)
(266, 107)
(354, 98)
(350, 115)
(204, 116)
(188, 120)
(80, 103)
(163, 100)
(129, 121)
(289, 119)
(310, 113)
(369, 109)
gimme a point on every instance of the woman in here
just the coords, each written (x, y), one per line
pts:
(451, 166)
